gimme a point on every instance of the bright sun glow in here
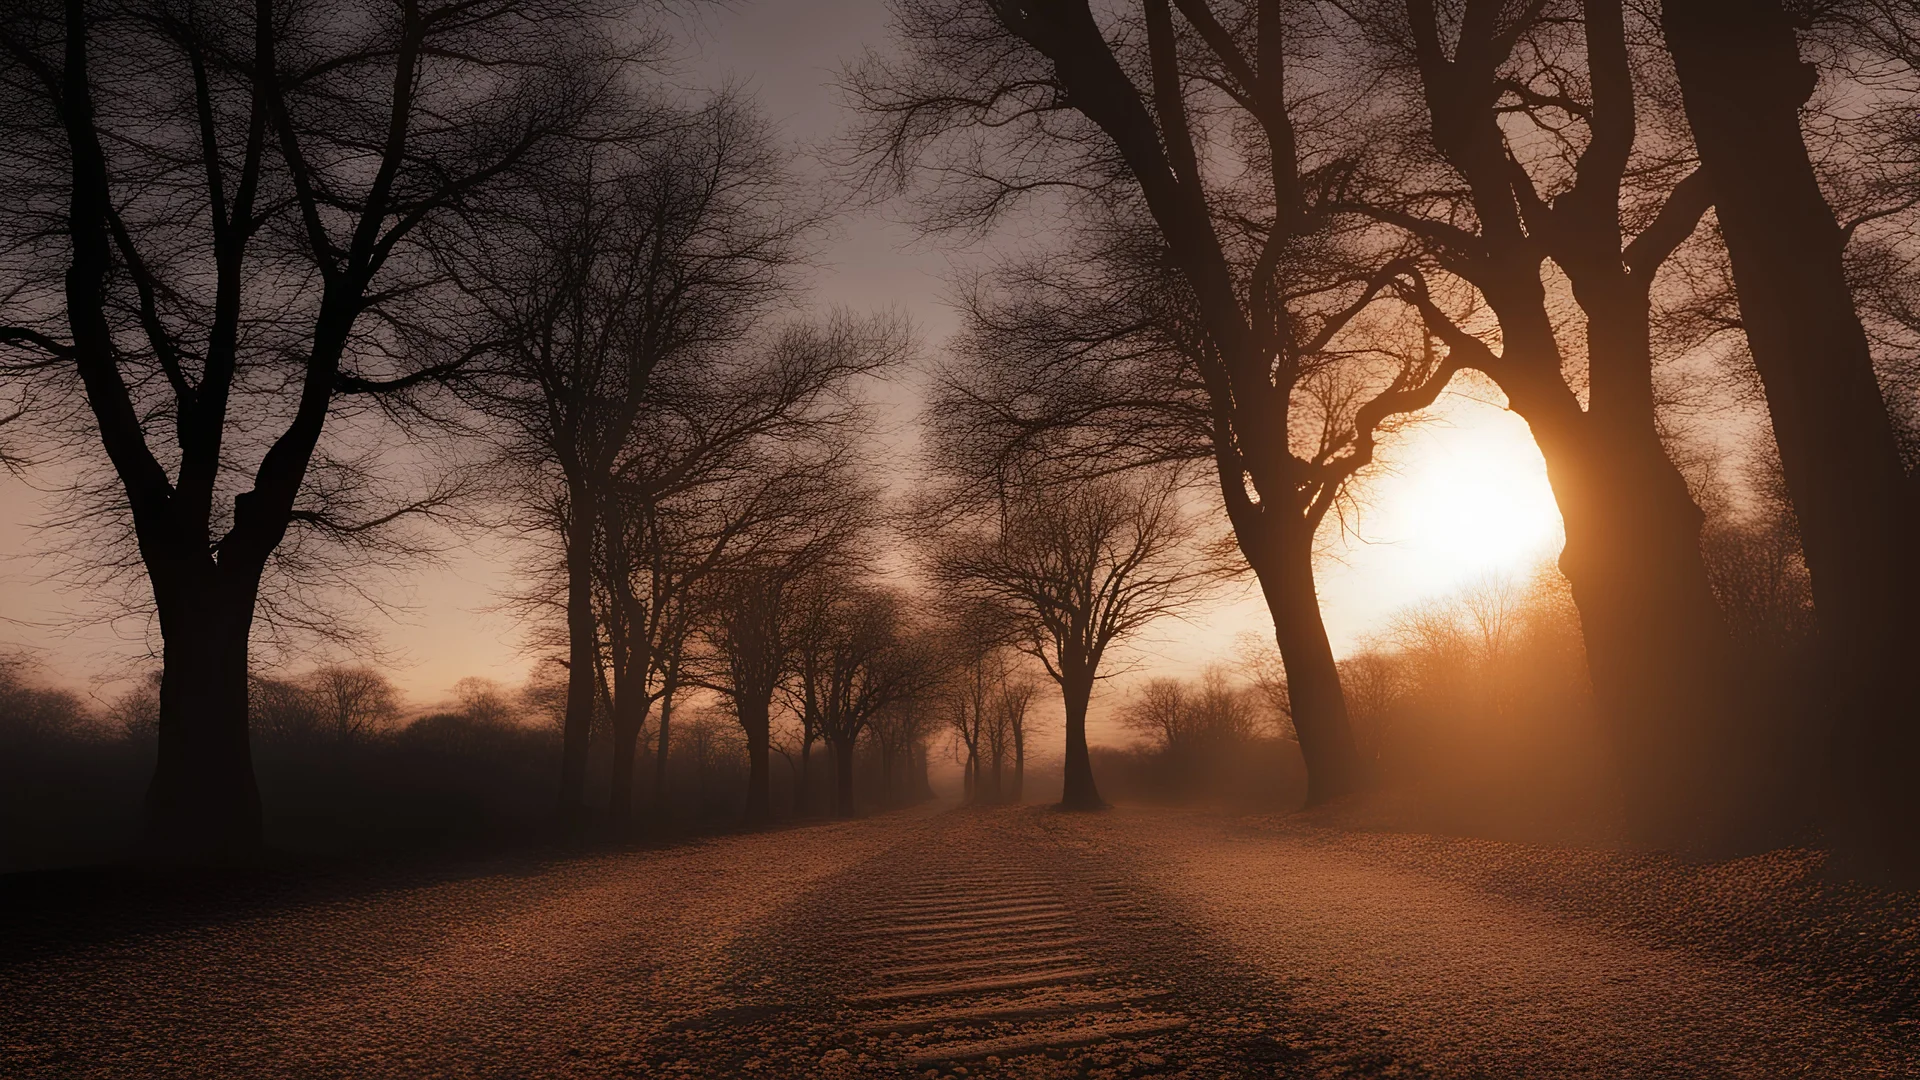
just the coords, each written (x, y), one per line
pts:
(1471, 501)
(1475, 502)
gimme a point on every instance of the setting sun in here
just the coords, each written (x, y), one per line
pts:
(1464, 496)
(1473, 500)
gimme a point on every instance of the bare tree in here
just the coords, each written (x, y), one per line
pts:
(1744, 83)
(807, 624)
(974, 638)
(239, 197)
(900, 734)
(865, 661)
(620, 294)
(1181, 719)
(679, 628)
(1530, 134)
(774, 606)
(803, 702)
(966, 720)
(1014, 706)
(1267, 672)
(737, 463)
(747, 633)
(1077, 567)
(1160, 712)
(354, 700)
(1204, 180)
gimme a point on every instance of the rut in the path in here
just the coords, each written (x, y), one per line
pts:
(981, 962)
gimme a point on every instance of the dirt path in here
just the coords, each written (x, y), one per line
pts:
(1461, 982)
(1010, 943)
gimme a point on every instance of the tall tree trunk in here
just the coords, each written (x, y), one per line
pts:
(1019, 766)
(1285, 568)
(203, 801)
(756, 718)
(843, 776)
(582, 645)
(1658, 648)
(629, 717)
(662, 797)
(1743, 85)
(1078, 791)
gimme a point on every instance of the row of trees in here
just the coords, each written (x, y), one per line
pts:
(233, 241)
(270, 255)
(273, 259)
(1285, 227)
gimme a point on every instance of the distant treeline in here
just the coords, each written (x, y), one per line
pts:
(295, 298)
(349, 773)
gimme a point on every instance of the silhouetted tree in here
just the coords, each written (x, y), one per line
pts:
(354, 700)
(742, 462)
(1014, 705)
(769, 609)
(236, 198)
(900, 733)
(865, 660)
(1744, 83)
(1518, 141)
(621, 292)
(1159, 712)
(1076, 567)
(974, 639)
(1190, 166)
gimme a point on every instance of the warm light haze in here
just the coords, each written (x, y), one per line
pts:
(959, 539)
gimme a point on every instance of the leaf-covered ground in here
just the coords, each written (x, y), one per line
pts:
(1018, 943)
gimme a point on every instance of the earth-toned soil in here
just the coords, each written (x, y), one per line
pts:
(988, 943)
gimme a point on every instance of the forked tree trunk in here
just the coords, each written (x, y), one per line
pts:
(1657, 646)
(203, 802)
(1285, 569)
(1743, 84)
(1078, 791)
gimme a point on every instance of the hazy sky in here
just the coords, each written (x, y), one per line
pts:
(1472, 501)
